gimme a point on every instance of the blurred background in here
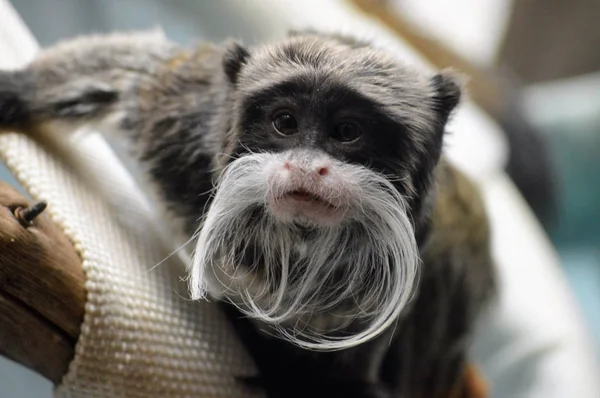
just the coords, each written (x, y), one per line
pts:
(534, 69)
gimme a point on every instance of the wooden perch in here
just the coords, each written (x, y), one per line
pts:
(42, 293)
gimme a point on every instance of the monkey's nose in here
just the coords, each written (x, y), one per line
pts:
(319, 169)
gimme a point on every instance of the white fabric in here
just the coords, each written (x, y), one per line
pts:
(140, 336)
(472, 28)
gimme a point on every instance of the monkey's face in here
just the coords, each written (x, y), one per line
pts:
(331, 151)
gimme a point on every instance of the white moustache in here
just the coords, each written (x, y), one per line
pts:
(361, 266)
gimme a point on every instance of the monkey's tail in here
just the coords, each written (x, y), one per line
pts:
(14, 105)
(28, 98)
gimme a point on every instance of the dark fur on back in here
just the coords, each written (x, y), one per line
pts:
(188, 113)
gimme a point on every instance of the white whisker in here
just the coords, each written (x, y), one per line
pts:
(362, 270)
(174, 252)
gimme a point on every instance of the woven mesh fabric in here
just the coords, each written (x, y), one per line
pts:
(140, 337)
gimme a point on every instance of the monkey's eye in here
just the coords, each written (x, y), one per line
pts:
(285, 123)
(347, 132)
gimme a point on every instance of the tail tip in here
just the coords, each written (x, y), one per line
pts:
(13, 107)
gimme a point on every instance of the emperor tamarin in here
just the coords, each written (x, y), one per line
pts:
(352, 257)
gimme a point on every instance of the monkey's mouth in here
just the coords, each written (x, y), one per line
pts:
(305, 196)
(303, 204)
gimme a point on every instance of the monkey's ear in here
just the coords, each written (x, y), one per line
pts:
(236, 56)
(448, 86)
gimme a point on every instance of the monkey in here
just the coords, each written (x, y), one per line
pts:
(351, 256)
